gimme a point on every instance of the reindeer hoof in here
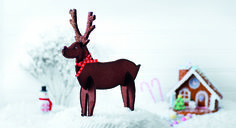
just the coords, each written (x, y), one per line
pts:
(131, 108)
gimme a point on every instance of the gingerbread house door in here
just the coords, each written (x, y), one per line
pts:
(201, 99)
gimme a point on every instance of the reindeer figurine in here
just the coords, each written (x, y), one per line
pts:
(93, 75)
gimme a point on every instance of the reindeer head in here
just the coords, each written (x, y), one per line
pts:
(79, 48)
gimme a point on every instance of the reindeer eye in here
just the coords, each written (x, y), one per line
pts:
(75, 47)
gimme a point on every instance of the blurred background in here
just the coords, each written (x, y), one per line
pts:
(159, 35)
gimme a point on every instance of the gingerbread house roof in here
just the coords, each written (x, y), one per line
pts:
(202, 78)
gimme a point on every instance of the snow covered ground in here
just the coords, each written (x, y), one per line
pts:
(25, 115)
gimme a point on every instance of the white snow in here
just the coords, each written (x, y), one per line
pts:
(25, 115)
(109, 112)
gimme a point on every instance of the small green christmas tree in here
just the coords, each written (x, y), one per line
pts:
(179, 103)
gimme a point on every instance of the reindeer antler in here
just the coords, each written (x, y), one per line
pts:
(82, 38)
(89, 27)
(73, 22)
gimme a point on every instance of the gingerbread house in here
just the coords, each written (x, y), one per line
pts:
(195, 89)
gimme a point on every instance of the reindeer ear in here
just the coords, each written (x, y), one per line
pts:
(85, 44)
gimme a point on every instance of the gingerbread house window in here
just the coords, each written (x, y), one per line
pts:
(194, 83)
(185, 94)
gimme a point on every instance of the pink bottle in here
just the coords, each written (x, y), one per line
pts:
(45, 102)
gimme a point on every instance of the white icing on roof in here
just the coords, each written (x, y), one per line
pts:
(202, 78)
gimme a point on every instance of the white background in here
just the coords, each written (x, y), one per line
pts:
(159, 35)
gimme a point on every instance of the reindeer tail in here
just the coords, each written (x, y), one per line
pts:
(136, 69)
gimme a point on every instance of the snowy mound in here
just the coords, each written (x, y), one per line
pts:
(28, 115)
(122, 118)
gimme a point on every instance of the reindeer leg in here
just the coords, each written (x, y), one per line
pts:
(131, 94)
(91, 96)
(131, 90)
(83, 101)
(124, 95)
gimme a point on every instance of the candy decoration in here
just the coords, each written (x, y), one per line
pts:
(189, 115)
(172, 116)
(183, 119)
(179, 119)
(159, 87)
(175, 122)
(150, 90)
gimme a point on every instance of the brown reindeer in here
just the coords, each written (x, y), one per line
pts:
(94, 75)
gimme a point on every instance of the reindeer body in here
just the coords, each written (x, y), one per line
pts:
(99, 75)
(109, 74)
